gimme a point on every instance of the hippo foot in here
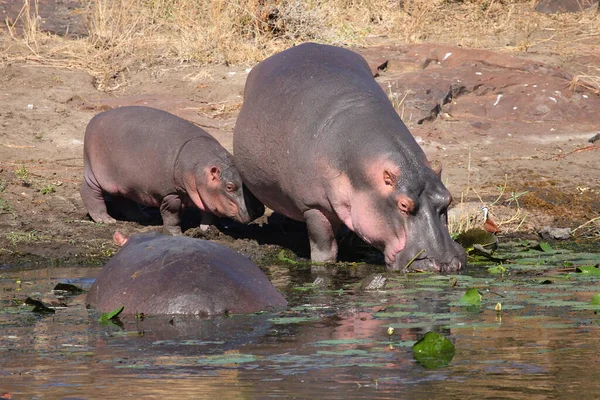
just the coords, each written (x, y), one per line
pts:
(172, 230)
(103, 219)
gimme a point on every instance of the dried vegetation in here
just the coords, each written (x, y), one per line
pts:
(126, 34)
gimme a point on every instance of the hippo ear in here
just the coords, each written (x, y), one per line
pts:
(389, 178)
(215, 174)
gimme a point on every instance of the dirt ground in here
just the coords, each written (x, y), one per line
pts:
(533, 168)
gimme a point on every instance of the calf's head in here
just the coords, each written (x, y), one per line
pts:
(225, 195)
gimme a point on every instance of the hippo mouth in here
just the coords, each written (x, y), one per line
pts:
(421, 261)
(429, 264)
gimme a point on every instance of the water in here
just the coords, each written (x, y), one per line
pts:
(331, 343)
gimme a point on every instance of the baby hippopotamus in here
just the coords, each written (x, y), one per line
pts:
(160, 160)
(159, 274)
(318, 140)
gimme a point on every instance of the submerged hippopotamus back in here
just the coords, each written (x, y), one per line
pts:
(160, 160)
(318, 140)
(158, 274)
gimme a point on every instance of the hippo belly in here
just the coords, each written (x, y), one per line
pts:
(156, 274)
(318, 140)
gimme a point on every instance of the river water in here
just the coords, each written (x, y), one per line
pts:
(331, 343)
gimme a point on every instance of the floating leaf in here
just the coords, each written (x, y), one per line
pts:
(433, 350)
(593, 270)
(596, 300)
(106, 317)
(478, 236)
(227, 359)
(68, 287)
(39, 307)
(498, 269)
(293, 320)
(472, 297)
(545, 247)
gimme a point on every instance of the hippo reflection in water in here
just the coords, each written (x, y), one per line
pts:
(159, 274)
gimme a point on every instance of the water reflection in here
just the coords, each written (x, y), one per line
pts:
(543, 345)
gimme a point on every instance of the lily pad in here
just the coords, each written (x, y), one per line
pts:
(106, 317)
(433, 351)
(472, 297)
(498, 269)
(545, 247)
(227, 359)
(293, 320)
(593, 270)
(39, 307)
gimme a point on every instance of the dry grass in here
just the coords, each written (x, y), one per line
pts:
(126, 34)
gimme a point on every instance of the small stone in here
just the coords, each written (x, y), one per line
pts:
(548, 232)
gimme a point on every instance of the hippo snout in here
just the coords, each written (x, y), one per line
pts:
(451, 259)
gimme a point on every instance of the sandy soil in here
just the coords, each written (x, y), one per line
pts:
(44, 112)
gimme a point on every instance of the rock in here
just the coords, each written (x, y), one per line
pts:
(548, 232)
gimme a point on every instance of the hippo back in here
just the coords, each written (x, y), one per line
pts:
(156, 274)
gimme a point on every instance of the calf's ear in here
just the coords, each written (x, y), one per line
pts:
(389, 178)
(215, 174)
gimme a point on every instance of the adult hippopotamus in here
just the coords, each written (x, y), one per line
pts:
(160, 160)
(318, 140)
(161, 274)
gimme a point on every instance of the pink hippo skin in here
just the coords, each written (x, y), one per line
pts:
(318, 140)
(160, 160)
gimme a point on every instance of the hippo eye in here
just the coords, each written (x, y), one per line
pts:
(230, 187)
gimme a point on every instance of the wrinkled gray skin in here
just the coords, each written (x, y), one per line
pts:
(318, 140)
(160, 160)
(160, 274)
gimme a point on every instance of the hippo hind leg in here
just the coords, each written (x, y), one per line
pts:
(170, 210)
(321, 235)
(93, 200)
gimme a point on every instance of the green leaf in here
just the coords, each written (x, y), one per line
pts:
(596, 300)
(593, 270)
(546, 248)
(498, 269)
(227, 359)
(472, 297)
(282, 257)
(105, 317)
(433, 351)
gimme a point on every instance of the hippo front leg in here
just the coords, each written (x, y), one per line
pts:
(321, 235)
(170, 210)
(207, 220)
(93, 200)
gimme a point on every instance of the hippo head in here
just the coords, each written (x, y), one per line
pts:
(422, 220)
(226, 195)
(405, 215)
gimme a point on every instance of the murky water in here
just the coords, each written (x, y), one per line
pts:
(332, 343)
